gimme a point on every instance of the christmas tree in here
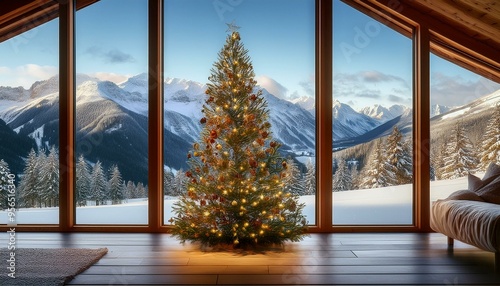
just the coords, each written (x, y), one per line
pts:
(235, 190)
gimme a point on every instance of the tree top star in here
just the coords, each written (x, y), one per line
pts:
(232, 27)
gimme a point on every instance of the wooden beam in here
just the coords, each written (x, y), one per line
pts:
(480, 53)
(17, 17)
(421, 128)
(401, 25)
(155, 120)
(462, 57)
(324, 76)
(66, 114)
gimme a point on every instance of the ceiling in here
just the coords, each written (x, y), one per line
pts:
(475, 23)
(477, 19)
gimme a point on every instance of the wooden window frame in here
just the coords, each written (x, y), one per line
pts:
(406, 21)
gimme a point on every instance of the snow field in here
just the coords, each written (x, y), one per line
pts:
(390, 205)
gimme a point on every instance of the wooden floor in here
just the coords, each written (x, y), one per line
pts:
(320, 259)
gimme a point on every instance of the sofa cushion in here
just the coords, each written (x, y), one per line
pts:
(491, 191)
(474, 182)
(493, 170)
(465, 195)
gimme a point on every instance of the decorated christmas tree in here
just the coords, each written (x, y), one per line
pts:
(235, 191)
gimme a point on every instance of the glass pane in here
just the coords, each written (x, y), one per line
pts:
(112, 113)
(372, 121)
(465, 127)
(29, 126)
(283, 62)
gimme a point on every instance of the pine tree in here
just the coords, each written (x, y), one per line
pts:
(140, 191)
(28, 186)
(179, 183)
(376, 172)
(115, 186)
(98, 185)
(342, 180)
(310, 179)
(83, 182)
(292, 179)
(354, 176)
(130, 190)
(235, 191)
(490, 147)
(168, 183)
(398, 158)
(460, 156)
(437, 160)
(49, 178)
(7, 185)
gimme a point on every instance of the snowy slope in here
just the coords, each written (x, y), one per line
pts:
(475, 107)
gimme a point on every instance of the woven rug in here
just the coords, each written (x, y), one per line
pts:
(46, 266)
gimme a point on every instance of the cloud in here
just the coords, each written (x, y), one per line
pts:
(272, 86)
(113, 56)
(398, 99)
(369, 93)
(308, 85)
(365, 88)
(379, 77)
(374, 76)
(456, 91)
(116, 78)
(5, 70)
(26, 75)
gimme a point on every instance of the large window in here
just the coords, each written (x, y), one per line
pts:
(29, 126)
(112, 113)
(463, 111)
(375, 181)
(372, 121)
(283, 61)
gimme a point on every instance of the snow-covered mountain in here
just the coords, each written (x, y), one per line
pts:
(384, 114)
(438, 109)
(306, 102)
(13, 94)
(348, 123)
(112, 120)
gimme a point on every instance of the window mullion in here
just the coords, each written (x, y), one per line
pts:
(155, 122)
(66, 114)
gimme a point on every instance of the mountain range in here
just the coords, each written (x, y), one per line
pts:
(111, 122)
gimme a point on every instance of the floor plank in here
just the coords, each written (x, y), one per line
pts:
(320, 259)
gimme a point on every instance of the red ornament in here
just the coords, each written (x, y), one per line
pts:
(203, 120)
(213, 134)
(252, 163)
(253, 97)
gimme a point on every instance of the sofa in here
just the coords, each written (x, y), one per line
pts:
(472, 216)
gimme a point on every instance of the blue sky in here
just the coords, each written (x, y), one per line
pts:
(372, 63)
